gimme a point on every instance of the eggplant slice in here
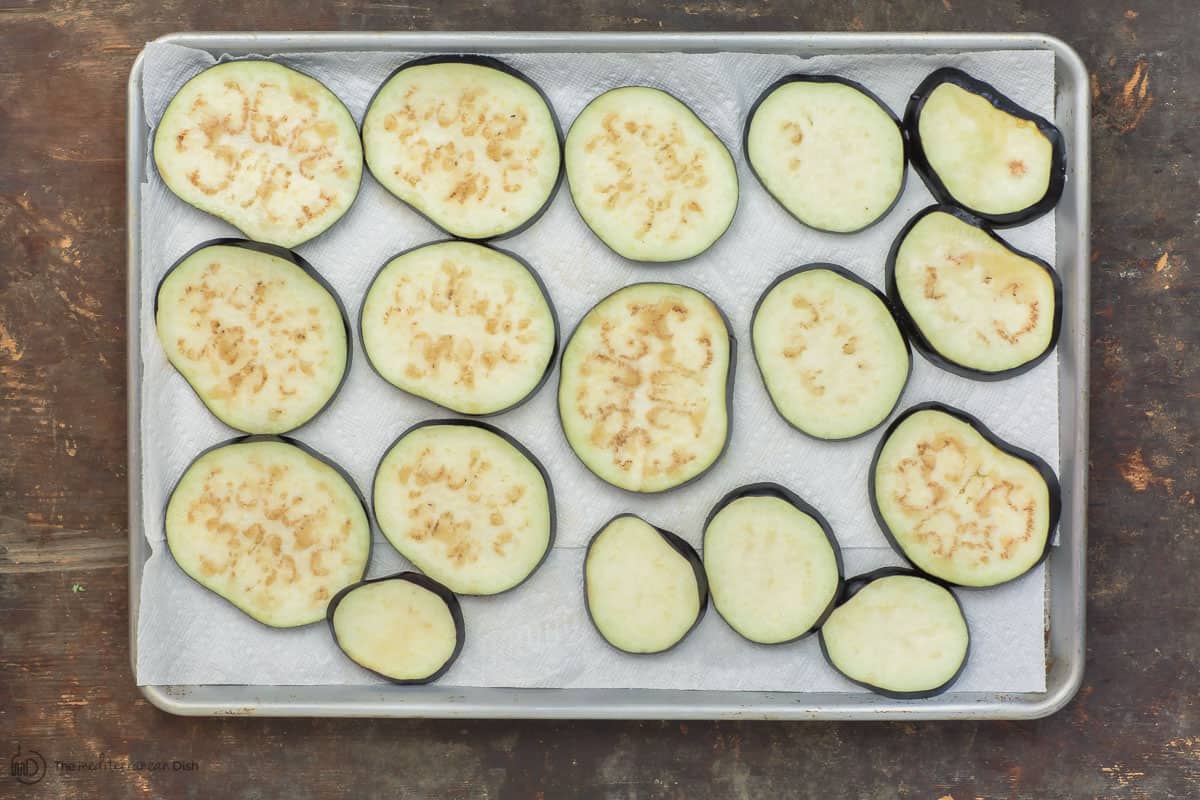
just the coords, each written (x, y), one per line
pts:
(266, 148)
(467, 504)
(830, 152)
(644, 587)
(646, 385)
(468, 142)
(971, 303)
(255, 331)
(977, 149)
(271, 526)
(958, 502)
(898, 634)
(650, 179)
(406, 628)
(461, 325)
(773, 565)
(829, 351)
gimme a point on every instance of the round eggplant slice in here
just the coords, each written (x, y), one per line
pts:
(468, 142)
(830, 152)
(773, 564)
(271, 526)
(644, 587)
(977, 149)
(650, 179)
(829, 351)
(972, 304)
(467, 504)
(898, 634)
(645, 387)
(462, 325)
(255, 331)
(406, 627)
(958, 502)
(266, 148)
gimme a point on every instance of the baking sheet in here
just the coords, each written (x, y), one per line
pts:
(189, 636)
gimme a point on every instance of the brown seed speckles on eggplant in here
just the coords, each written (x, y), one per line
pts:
(467, 142)
(256, 331)
(467, 504)
(971, 303)
(796, 143)
(648, 177)
(645, 387)
(830, 351)
(269, 525)
(960, 503)
(267, 148)
(463, 325)
(976, 148)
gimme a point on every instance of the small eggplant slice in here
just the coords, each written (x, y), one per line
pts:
(650, 179)
(977, 149)
(971, 303)
(255, 331)
(898, 634)
(644, 587)
(405, 627)
(773, 564)
(829, 351)
(830, 152)
(266, 148)
(462, 325)
(467, 504)
(466, 141)
(958, 502)
(645, 387)
(271, 526)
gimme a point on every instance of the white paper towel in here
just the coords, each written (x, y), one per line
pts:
(539, 635)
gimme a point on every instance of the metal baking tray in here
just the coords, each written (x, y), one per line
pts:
(1066, 595)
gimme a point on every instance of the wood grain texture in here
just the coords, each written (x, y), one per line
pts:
(65, 683)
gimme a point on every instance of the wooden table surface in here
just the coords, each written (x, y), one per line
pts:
(66, 689)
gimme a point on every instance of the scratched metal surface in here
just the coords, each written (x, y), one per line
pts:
(1132, 732)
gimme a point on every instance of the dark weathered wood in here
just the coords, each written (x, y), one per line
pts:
(66, 689)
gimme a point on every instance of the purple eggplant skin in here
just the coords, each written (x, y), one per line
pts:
(425, 582)
(728, 386)
(854, 586)
(800, 78)
(292, 258)
(1043, 469)
(909, 326)
(258, 437)
(522, 449)
(768, 489)
(545, 295)
(887, 303)
(357, 190)
(500, 66)
(679, 545)
(676, 261)
(920, 162)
